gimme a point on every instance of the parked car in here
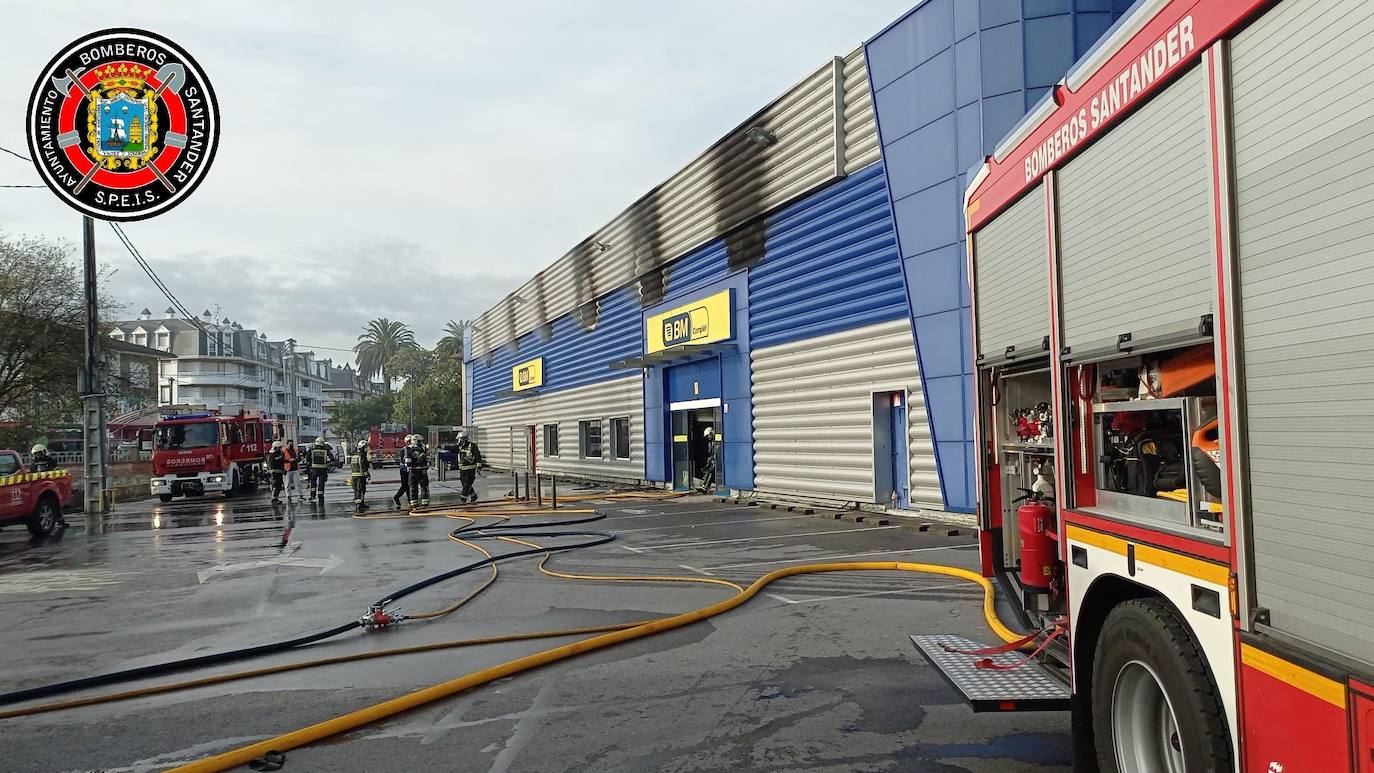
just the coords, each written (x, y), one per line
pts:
(35, 499)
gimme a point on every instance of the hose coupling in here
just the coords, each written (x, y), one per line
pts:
(380, 618)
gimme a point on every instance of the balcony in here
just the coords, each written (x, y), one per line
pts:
(197, 378)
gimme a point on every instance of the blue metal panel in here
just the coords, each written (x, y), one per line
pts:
(830, 264)
(706, 265)
(1011, 52)
(573, 356)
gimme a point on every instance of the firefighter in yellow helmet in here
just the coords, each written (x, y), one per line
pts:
(360, 472)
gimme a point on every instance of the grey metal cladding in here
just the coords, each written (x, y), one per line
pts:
(726, 191)
(1135, 221)
(1303, 107)
(1011, 265)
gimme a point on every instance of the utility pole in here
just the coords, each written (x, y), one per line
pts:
(92, 393)
(293, 410)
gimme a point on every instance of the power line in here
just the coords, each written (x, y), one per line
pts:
(21, 186)
(147, 269)
(16, 155)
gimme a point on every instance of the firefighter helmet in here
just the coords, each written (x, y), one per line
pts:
(276, 445)
(38, 448)
(319, 441)
(362, 445)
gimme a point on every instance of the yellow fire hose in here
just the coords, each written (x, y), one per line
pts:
(370, 714)
(609, 635)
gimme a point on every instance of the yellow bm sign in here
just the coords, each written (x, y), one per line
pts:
(527, 375)
(703, 321)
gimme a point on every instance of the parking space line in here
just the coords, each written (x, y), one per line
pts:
(694, 569)
(820, 559)
(664, 513)
(713, 523)
(831, 533)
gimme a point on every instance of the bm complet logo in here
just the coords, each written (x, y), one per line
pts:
(682, 328)
(122, 124)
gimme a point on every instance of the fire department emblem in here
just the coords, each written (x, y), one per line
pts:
(122, 124)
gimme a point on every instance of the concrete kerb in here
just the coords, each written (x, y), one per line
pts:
(939, 522)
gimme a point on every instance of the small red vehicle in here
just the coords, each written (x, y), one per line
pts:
(34, 498)
(386, 443)
(197, 453)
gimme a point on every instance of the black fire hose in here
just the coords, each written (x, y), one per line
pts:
(469, 532)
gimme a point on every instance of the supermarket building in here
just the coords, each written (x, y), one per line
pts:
(787, 314)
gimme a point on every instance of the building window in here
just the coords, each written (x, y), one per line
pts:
(141, 339)
(166, 398)
(589, 438)
(164, 341)
(551, 440)
(620, 437)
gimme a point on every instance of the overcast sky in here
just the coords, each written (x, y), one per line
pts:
(419, 164)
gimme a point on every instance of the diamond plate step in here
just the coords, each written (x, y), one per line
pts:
(1030, 687)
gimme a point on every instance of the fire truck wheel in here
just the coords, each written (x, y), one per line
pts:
(165, 497)
(44, 519)
(233, 489)
(1155, 709)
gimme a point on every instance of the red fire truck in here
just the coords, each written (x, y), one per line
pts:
(1172, 269)
(386, 443)
(197, 453)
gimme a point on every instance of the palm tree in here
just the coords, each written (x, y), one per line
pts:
(451, 345)
(380, 339)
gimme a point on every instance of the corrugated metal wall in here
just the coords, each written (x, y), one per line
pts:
(830, 264)
(860, 132)
(1011, 262)
(1135, 211)
(1304, 159)
(731, 184)
(623, 397)
(573, 356)
(813, 414)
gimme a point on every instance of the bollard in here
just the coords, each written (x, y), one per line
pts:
(553, 502)
(515, 484)
(527, 487)
(539, 489)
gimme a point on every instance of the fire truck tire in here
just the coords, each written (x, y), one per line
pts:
(165, 497)
(44, 519)
(233, 489)
(1155, 707)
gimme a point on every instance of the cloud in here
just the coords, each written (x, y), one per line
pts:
(421, 163)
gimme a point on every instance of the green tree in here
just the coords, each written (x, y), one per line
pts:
(353, 418)
(434, 399)
(451, 345)
(380, 340)
(412, 364)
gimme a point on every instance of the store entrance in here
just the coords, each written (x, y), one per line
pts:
(697, 438)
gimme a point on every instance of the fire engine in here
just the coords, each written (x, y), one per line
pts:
(197, 453)
(386, 443)
(1171, 261)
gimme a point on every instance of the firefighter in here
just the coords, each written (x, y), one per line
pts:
(359, 474)
(39, 460)
(322, 459)
(708, 470)
(469, 459)
(416, 459)
(276, 463)
(405, 475)
(292, 458)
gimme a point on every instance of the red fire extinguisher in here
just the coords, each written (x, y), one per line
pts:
(1037, 546)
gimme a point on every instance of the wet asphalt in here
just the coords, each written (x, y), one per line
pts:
(815, 674)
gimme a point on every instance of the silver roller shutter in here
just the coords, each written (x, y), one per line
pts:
(1135, 223)
(1010, 265)
(1303, 94)
(813, 414)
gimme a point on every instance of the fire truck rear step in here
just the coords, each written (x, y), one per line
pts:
(1028, 687)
